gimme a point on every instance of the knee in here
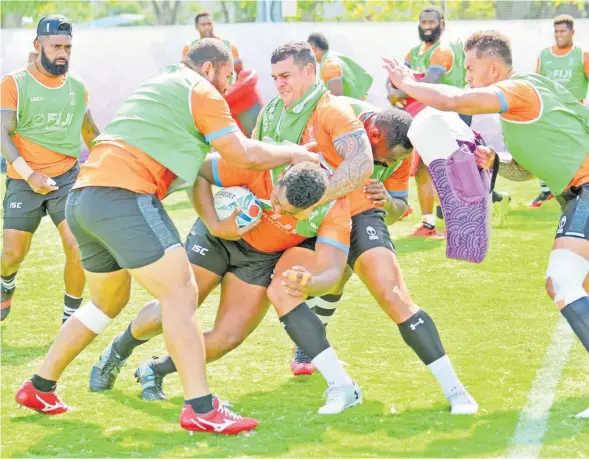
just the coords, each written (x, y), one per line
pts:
(281, 301)
(13, 255)
(220, 342)
(72, 251)
(150, 320)
(566, 273)
(395, 302)
(182, 297)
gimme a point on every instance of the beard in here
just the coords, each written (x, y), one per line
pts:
(431, 38)
(51, 66)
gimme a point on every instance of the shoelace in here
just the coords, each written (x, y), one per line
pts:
(301, 356)
(221, 408)
(111, 364)
(158, 381)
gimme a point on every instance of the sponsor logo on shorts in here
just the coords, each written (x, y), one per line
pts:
(561, 224)
(371, 233)
(15, 205)
(199, 249)
(37, 99)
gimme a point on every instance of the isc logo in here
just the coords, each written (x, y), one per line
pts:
(37, 99)
(199, 249)
(15, 205)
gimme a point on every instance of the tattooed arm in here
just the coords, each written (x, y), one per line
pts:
(356, 168)
(89, 129)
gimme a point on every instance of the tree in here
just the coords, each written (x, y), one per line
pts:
(408, 10)
(308, 10)
(166, 11)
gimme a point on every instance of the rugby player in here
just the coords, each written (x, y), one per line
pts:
(341, 75)
(378, 204)
(440, 61)
(568, 65)
(303, 112)
(241, 261)
(204, 26)
(44, 109)
(538, 118)
(160, 135)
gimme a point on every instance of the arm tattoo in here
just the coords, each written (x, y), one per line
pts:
(89, 129)
(9, 150)
(355, 169)
(511, 170)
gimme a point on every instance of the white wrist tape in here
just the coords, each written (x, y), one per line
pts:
(92, 317)
(23, 169)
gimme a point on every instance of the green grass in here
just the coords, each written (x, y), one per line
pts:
(495, 321)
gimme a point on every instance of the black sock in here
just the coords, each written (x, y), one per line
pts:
(164, 365)
(421, 335)
(8, 280)
(439, 212)
(306, 330)
(42, 384)
(70, 306)
(201, 405)
(496, 197)
(577, 315)
(125, 343)
(324, 313)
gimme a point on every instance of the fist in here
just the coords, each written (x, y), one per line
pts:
(375, 191)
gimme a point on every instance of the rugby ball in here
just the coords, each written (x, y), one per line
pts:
(228, 199)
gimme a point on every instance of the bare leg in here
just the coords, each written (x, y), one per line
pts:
(73, 271)
(110, 293)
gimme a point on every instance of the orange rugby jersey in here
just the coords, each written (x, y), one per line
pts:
(120, 165)
(276, 232)
(520, 102)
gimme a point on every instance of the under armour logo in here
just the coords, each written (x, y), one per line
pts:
(416, 324)
(356, 394)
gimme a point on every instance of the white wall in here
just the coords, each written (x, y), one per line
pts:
(114, 61)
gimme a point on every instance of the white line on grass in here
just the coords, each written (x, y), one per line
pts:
(527, 440)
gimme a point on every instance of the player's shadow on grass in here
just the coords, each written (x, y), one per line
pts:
(13, 356)
(288, 420)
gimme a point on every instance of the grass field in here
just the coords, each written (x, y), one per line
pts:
(495, 321)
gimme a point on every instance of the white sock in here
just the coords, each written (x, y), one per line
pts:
(9, 285)
(430, 219)
(327, 308)
(331, 368)
(444, 373)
